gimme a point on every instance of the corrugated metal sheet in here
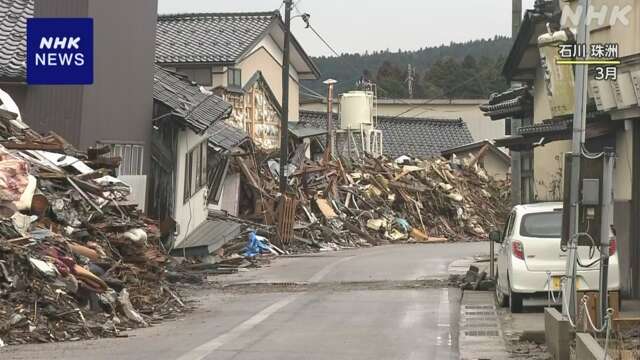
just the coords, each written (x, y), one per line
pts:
(209, 237)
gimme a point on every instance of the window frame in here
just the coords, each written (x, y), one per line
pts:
(131, 154)
(234, 74)
(195, 167)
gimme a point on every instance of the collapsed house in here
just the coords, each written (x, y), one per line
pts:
(78, 260)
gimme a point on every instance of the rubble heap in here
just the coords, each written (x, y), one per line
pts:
(77, 260)
(375, 201)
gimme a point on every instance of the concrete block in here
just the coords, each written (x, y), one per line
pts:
(558, 334)
(587, 348)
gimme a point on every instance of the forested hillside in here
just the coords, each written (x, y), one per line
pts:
(458, 70)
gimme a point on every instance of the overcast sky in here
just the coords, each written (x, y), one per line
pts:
(359, 25)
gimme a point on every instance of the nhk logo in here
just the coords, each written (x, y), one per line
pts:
(596, 16)
(60, 51)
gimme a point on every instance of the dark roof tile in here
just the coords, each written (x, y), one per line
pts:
(199, 110)
(226, 136)
(210, 38)
(13, 29)
(417, 137)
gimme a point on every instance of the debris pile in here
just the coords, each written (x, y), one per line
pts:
(77, 260)
(332, 205)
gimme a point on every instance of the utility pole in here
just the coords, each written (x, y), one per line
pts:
(284, 122)
(577, 144)
(516, 17)
(411, 78)
(605, 230)
(515, 123)
(330, 140)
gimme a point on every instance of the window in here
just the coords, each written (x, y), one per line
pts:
(132, 156)
(508, 227)
(201, 76)
(195, 171)
(234, 78)
(542, 225)
(216, 178)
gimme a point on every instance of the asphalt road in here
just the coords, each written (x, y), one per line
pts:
(362, 304)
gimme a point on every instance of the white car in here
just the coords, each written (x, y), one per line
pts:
(529, 248)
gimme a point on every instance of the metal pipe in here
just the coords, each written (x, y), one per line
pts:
(579, 122)
(492, 259)
(284, 121)
(605, 231)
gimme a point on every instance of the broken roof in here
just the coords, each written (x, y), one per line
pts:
(13, 39)
(223, 38)
(417, 137)
(226, 136)
(477, 146)
(187, 101)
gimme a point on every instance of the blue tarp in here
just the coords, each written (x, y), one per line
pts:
(256, 245)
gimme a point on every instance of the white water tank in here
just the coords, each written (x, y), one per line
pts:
(356, 108)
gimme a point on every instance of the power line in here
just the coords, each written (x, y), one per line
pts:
(311, 90)
(427, 101)
(332, 49)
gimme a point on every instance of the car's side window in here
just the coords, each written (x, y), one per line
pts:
(512, 230)
(509, 227)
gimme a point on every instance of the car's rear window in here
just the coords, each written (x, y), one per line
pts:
(544, 225)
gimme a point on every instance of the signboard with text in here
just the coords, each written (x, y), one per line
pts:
(60, 51)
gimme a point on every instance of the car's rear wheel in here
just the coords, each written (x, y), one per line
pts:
(515, 303)
(501, 298)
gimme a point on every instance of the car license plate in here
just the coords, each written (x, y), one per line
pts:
(556, 283)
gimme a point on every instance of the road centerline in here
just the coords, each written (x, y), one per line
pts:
(214, 344)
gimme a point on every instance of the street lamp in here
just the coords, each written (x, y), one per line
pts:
(330, 83)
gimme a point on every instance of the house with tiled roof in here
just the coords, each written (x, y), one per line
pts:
(542, 106)
(13, 47)
(184, 117)
(238, 56)
(415, 137)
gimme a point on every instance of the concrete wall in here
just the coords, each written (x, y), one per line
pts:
(547, 159)
(118, 106)
(624, 164)
(193, 212)
(547, 170)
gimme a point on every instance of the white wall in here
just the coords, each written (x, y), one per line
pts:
(267, 58)
(189, 215)
(624, 164)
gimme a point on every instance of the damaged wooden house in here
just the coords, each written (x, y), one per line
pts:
(239, 57)
(190, 165)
